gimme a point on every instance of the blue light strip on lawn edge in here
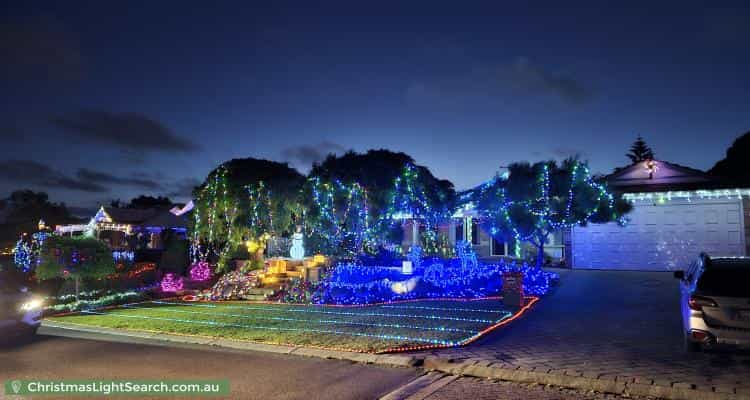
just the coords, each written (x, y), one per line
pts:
(370, 314)
(443, 308)
(246, 316)
(274, 328)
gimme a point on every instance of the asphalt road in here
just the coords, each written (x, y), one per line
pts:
(252, 375)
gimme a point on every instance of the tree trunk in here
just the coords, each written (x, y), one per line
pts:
(77, 292)
(540, 251)
(540, 255)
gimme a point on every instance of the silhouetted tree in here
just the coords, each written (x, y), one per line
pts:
(24, 209)
(146, 202)
(736, 165)
(640, 151)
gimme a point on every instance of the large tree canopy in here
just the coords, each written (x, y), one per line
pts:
(376, 171)
(540, 199)
(736, 165)
(243, 199)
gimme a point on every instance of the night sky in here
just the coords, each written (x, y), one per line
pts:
(107, 101)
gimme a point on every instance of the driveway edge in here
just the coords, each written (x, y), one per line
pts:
(486, 369)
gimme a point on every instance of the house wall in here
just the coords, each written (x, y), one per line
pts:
(483, 249)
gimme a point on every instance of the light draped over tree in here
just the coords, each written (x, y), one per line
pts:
(538, 200)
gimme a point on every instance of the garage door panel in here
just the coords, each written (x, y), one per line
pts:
(661, 237)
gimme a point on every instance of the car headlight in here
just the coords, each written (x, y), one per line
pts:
(32, 304)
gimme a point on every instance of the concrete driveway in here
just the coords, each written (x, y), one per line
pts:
(610, 325)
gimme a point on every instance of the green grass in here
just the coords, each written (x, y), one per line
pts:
(369, 328)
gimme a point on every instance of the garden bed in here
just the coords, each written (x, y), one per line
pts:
(390, 327)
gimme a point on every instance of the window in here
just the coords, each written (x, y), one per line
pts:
(459, 231)
(498, 248)
(474, 232)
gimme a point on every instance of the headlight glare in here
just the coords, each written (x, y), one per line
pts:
(32, 304)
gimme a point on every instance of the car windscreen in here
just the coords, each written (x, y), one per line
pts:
(726, 282)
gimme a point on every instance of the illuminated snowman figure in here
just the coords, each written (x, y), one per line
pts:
(298, 249)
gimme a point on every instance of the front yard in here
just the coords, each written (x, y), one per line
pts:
(387, 327)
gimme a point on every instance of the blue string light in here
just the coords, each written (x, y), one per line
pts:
(346, 313)
(378, 325)
(276, 328)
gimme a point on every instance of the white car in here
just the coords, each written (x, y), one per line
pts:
(20, 311)
(716, 302)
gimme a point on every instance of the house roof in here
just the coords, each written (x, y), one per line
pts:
(663, 176)
(129, 215)
(166, 219)
(151, 217)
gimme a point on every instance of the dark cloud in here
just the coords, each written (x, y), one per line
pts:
(29, 172)
(306, 155)
(39, 49)
(184, 188)
(99, 177)
(519, 77)
(131, 132)
(524, 75)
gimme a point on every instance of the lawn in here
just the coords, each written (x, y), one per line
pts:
(373, 328)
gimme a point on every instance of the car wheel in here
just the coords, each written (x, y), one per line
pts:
(692, 347)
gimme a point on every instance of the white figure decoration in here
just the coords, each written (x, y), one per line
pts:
(297, 251)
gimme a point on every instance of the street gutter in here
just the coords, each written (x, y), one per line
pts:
(475, 368)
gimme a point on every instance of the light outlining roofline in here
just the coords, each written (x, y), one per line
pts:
(688, 195)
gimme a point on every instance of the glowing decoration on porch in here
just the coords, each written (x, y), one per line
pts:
(172, 283)
(297, 252)
(200, 271)
(407, 267)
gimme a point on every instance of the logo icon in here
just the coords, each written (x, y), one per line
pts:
(16, 386)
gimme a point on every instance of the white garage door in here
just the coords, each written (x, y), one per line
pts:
(662, 237)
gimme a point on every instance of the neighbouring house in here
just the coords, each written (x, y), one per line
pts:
(678, 212)
(128, 229)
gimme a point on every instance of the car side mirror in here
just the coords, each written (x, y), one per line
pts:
(679, 275)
